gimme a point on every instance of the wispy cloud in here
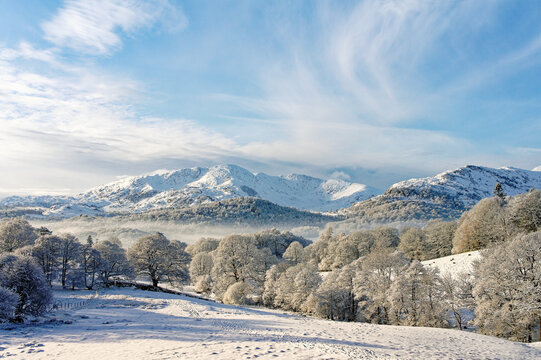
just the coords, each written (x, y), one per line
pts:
(363, 86)
(95, 26)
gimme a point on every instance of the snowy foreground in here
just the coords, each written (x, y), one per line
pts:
(134, 324)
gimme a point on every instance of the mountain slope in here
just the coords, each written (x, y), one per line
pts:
(445, 195)
(247, 210)
(190, 187)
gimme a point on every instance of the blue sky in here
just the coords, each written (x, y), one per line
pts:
(373, 92)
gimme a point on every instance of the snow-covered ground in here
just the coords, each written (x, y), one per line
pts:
(454, 264)
(133, 324)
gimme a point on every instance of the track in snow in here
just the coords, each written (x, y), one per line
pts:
(134, 324)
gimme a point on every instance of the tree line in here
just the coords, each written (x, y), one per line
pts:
(376, 275)
(32, 259)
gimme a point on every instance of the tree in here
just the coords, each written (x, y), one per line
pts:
(486, 223)
(294, 252)
(272, 277)
(205, 245)
(23, 277)
(373, 283)
(15, 233)
(498, 191)
(277, 241)
(70, 250)
(413, 243)
(46, 251)
(201, 270)
(237, 293)
(458, 297)
(416, 299)
(8, 304)
(159, 259)
(335, 296)
(113, 260)
(237, 259)
(507, 288)
(90, 262)
(439, 238)
(525, 211)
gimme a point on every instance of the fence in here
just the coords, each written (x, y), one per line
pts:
(65, 305)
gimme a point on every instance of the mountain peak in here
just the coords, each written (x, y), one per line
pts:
(191, 186)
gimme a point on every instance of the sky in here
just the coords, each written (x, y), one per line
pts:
(367, 91)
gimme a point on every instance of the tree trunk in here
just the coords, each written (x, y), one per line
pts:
(154, 282)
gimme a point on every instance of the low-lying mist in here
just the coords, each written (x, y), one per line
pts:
(128, 231)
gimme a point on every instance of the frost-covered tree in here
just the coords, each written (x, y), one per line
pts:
(508, 288)
(205, 245)
(70, 251)
(201, 270)
(237, 293)
(386, 237)
(23, 277)
(8, 304)
(294, 285)
(237, 259)
(486, 223)
(416, 297)
(525, 211)
(277, 241)
(335, 296)
(113, 260)
(439, 238)
(15, 233)
(160, 259)
(413, 243)
(458, 297)
(47, 251)
(373, 283)
(90, 265)
(294, 252)
(272, 277)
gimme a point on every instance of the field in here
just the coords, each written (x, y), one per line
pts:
(135, 324)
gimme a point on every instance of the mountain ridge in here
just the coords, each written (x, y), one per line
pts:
(446, 195)
(193, 186)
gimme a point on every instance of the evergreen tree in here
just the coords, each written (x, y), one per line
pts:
(498, 191)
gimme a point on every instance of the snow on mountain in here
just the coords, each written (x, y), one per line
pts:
(445, 195)
(187, 187)
(470, 184)
(537, 168)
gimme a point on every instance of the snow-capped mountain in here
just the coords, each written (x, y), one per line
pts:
(186, 187)
(470, 184)
(445, 195)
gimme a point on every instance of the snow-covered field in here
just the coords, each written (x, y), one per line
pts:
(134, 324)
(454, 264)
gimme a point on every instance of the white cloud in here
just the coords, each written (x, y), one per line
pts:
(94, 26)
(77, 124)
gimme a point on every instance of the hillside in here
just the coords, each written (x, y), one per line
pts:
(133, 324)
(188, 187)
(445, 196)
(247, 210)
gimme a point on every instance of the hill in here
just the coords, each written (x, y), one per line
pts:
(444, 196)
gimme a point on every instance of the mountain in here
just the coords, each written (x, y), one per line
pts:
(247, 210)
(446, 195)
(190, 187)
